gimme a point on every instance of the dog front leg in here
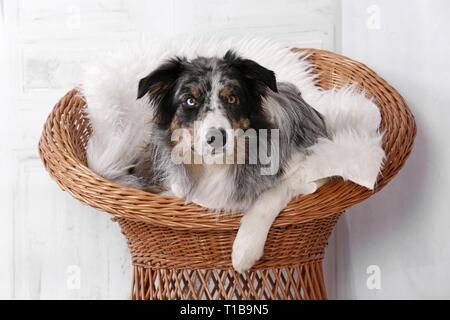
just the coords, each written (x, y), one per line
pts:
(249, 244)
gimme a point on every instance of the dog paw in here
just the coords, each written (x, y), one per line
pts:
(247, 249)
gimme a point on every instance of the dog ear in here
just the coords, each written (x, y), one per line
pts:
(160, 81)
(252, 70)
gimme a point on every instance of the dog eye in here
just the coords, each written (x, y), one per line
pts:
(232, 99)
(191, 102)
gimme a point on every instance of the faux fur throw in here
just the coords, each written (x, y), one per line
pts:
(120, 122)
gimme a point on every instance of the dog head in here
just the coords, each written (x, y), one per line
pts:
(209, 97)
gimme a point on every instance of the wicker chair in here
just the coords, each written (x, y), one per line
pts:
(183, 251)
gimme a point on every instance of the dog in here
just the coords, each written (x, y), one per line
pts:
(228, 136)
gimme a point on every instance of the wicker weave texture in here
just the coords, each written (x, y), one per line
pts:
(296, 282)
(186, 247)
(289, 269)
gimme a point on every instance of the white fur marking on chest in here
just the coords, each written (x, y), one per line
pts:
(215, 188)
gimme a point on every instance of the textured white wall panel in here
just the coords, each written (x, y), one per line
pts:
(403, 230)
(51, 246)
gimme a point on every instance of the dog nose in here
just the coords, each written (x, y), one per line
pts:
(216, 137)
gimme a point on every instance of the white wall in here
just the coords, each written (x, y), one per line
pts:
(405, 229)
(51, 246)
(46, 237)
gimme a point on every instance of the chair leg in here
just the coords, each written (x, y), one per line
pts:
(304, 281)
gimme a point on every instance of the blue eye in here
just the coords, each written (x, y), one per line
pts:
(191, 102)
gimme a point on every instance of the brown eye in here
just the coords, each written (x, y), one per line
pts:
(191, 102)
(232, 99)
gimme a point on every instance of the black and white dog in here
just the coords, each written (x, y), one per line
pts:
(227, 136)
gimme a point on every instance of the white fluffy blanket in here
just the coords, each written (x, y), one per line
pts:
(120, 122)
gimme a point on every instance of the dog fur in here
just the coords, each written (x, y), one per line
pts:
(123, 126)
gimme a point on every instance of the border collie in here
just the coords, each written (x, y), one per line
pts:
(227, 136)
